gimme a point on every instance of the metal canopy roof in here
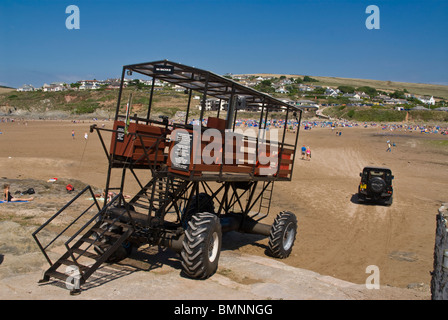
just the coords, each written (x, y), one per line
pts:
(207, 82)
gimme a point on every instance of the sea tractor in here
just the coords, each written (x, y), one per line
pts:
(197, 177)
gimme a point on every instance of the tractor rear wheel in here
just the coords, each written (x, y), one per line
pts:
(283, 234)
(202, 246)
(199, 203)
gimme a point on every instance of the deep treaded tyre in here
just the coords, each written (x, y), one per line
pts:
(283, 235)
(205, 205)
(202, 246)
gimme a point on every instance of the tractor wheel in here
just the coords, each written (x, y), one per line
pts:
(121, 253)
(202, 246)
(205, 205)
(283, 235)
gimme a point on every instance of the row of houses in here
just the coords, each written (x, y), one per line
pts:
(282, 84)
(280, 87)
(88, 85)
(213, 104)
(61, 86)
(361, 96)
(308, 105)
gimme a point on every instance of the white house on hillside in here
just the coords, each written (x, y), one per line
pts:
(305, 88)
(332, 92)
(89, 85)
(427, 100)
(363, 95)
(178, 88)
(53, 87)
(159, 83)
(281, 90)
(351, 95)
(26, 87)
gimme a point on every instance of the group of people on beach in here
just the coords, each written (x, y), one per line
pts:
(86, 136)
(306, 153)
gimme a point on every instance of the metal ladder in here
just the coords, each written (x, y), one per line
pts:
(266, 197)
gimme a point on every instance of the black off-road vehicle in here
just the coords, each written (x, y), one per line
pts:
(376, 185)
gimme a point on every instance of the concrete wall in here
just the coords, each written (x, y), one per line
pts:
(439, 281)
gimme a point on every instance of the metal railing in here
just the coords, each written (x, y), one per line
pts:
(44, 248)
(97, 218)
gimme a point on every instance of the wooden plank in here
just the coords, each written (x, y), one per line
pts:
(207, 167)
(150, 143)
(236, 169)
(151, 157)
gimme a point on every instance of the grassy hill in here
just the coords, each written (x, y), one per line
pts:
(75, 103)
(6, 89)
(102, 103)
(423, 89)
(384, 114)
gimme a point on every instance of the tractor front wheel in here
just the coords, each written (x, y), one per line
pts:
(202, 246)
(283, 234)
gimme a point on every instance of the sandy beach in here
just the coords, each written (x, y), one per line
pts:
(336, 236)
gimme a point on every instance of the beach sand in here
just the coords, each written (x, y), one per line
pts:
(336, 236)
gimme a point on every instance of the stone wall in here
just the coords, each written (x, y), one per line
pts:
(439, 281)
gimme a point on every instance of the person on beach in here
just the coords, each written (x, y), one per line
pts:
(9, 198)
(73, 134)
(303, 152)
(308, 153)
(389, 149)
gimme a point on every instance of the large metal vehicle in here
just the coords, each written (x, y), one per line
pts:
(207, 177)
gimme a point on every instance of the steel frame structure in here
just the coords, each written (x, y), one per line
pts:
(231, 187)
(160, 213)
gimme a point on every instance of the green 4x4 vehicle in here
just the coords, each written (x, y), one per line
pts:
(376, 185)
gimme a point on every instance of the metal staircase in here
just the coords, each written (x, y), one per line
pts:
(99, 240)
(155, 197)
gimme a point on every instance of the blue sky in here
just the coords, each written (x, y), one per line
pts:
(310, 37)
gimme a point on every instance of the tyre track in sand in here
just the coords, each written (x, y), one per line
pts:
(366, 229)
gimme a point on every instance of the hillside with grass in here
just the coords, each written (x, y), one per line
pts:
(4, 89)
(373, 108)
(102, 103)
(385, 114)
(436, 90)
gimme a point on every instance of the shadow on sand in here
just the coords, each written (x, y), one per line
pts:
(150, 258)
(355, 199)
